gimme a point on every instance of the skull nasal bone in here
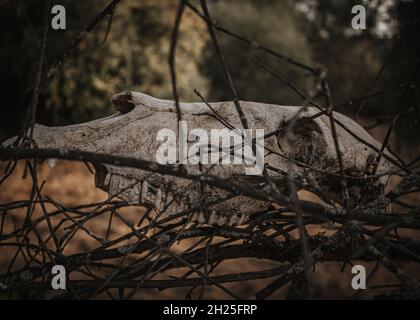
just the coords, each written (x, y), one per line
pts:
(123, 102)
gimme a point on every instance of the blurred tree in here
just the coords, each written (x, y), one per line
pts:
(362, 61)
(354, 57)
(134, 57)
(272, 23)
(135, 54)
(402, 67)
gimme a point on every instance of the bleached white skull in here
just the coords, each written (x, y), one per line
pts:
(133, 132)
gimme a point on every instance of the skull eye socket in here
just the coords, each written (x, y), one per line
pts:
(303, 142)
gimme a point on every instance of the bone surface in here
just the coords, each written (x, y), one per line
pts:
(132, 133)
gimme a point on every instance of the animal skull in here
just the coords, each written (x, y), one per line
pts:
(132, 132)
